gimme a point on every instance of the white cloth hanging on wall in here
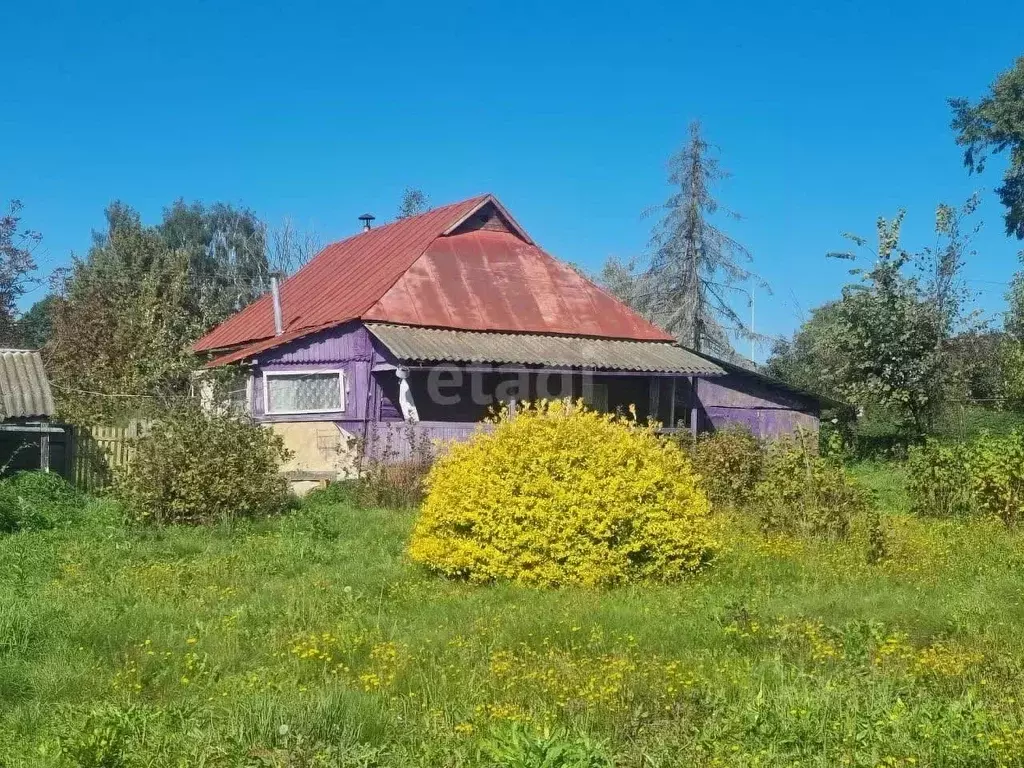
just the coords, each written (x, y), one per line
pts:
(405, 401)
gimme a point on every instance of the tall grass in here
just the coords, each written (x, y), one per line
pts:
(311, 641)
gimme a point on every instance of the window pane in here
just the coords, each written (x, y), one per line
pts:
(304, 392)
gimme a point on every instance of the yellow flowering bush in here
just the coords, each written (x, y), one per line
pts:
(560, 494)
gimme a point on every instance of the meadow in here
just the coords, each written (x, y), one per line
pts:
(311, 640)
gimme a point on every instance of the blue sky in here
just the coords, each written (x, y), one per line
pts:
(827, 113)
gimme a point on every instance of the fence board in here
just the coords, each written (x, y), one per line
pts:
(99, 451)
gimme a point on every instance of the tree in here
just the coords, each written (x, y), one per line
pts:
(977, 357)
(994, 125)
(1011, 351)
(129, 311)
(811, 360)
(693, 264)
(36, 326)
(226, 249)
(123, 327)
(895, 330)
(16, 264)
(414, 201)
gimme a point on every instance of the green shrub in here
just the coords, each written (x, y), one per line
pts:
(195, 467)
(520, 746)
(342, 492)
(37, 500)
(938, 480)
(560, 494)
(995, 465)
(393, 474)
(802, 493)
(983, 477)
(729, 462)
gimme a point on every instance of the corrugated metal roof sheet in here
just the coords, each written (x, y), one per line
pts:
(416, 344)
(428, 270)
(24, 387)
(494, 281)
(343, 280)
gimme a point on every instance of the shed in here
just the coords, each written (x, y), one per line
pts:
(26, 409)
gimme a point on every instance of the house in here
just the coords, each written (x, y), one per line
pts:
(28, 440)
(432, 320)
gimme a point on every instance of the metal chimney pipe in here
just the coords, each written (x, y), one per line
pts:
(367, 219)
(275, 292)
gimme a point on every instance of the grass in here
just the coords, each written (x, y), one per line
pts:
(311, 641)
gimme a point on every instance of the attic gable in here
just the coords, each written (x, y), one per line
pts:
(489, 218)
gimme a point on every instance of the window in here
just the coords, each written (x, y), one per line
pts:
(303, 391)
(230, 391)
(595, 394)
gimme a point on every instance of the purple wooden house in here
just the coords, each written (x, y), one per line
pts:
(416, 329)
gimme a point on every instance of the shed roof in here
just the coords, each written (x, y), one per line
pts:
(466, 266)
(24, 386)
(825, 401)
(418, 344)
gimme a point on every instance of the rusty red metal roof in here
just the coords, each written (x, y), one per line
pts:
(437, 270)
(494, 281)
(343, 280)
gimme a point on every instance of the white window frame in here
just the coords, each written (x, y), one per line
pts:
(267, 375)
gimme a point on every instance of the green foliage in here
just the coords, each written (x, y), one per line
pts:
(194, 646)
(414, 201)
(130, 311)
(995, 465)
(976, 366)
(194, 467)
(35, 327)
(562, 495)
(394, 473)
(803, 494)
(16, 264)
(938, 480)
(996, 124)
(519, 746)
(811, 360)
(103, 740)
(983, 477)
(878, 548)
(1011, 350)
(342, 492)
(729, 462)
(36, 501)
(894, 329)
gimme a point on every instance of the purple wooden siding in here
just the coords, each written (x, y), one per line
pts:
(347, 348)
(399, 441)
(767, 411)
(348, 342)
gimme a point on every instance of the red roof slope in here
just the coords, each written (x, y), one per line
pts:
(343, 280)
(493, 281)
(436, 269)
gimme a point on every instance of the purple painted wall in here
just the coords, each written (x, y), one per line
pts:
(399, 441)
(348, 348)
(768, 411)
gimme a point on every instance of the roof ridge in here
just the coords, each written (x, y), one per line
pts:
(406, 220)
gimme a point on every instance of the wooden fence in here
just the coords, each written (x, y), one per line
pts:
(96, 452)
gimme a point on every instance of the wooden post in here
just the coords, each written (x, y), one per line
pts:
(693, 407)
(44, 451)
(672, 406)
